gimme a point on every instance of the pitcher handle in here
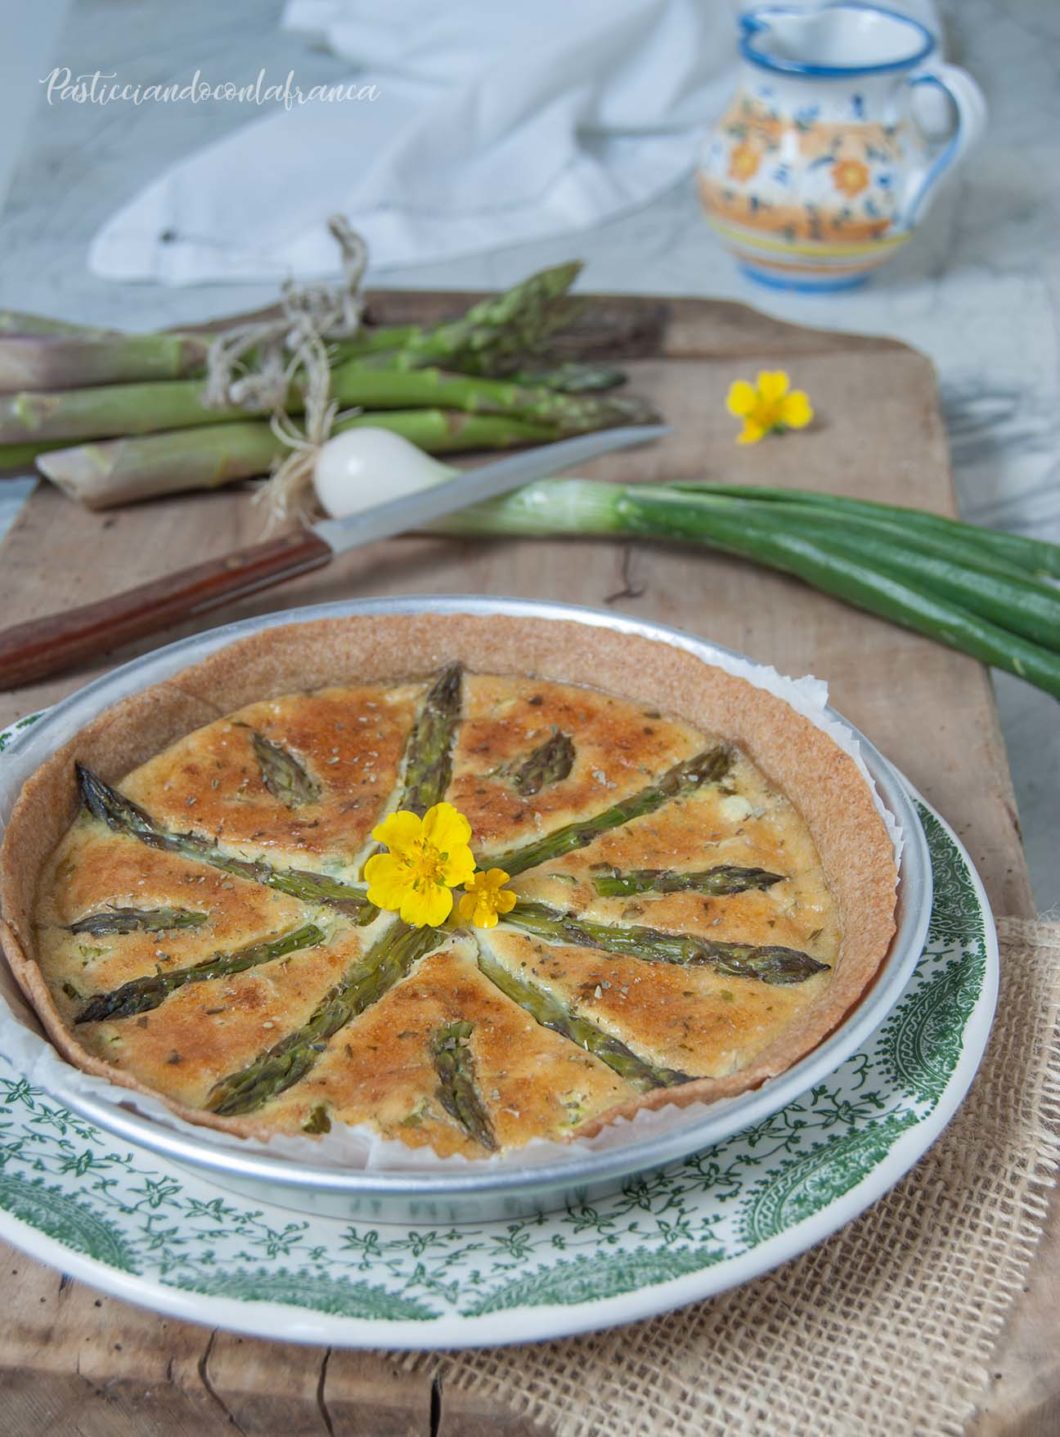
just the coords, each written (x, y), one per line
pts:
(971, 121)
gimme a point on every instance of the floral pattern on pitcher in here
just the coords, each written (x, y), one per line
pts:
(804, 178)
(817, 172)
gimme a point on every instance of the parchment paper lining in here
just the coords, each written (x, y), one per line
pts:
(359, 1147)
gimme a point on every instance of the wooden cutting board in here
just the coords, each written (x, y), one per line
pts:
(78, 1363)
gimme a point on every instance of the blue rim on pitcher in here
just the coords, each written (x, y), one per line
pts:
(752, 24)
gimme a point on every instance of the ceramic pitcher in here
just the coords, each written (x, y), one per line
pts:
(818, 170)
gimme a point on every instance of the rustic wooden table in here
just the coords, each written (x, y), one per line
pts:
(79, 1363)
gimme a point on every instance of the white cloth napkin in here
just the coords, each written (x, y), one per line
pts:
(495, 123)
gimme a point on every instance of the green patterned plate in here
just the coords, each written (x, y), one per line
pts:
(143, 1228)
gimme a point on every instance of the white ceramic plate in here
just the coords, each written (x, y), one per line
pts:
(141, 1227)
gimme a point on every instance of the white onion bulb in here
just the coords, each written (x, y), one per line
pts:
(361, 468)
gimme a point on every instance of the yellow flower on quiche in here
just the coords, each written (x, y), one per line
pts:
(485, 898)
(428, 857)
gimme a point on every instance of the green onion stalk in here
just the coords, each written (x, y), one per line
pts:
(1016, 551)
(974, 590)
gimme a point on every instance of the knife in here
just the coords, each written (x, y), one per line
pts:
(40, 647)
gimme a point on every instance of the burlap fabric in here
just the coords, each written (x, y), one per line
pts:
(887, 1327)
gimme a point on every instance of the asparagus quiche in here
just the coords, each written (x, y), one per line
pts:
(697, 885)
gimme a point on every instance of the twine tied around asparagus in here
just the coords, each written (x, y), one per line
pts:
(254, 366)
(271, 346)
(289, 490)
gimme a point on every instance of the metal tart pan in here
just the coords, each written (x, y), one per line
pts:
(471, 1192)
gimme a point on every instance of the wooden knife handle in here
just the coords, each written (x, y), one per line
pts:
(46, 646)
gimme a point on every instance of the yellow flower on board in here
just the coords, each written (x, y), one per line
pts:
(850, 177)
(485, 898)
(428, 858)
(744, 160)
(769, 406)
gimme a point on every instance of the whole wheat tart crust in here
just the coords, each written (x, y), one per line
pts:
(820, 779)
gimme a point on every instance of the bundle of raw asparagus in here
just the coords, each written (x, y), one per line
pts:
(112, 417)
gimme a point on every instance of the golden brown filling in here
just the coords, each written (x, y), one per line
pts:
(205, 927)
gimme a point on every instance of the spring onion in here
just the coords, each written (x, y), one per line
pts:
(975, 601)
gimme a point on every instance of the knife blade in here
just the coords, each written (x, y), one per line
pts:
(40, 647)
(474, 486)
